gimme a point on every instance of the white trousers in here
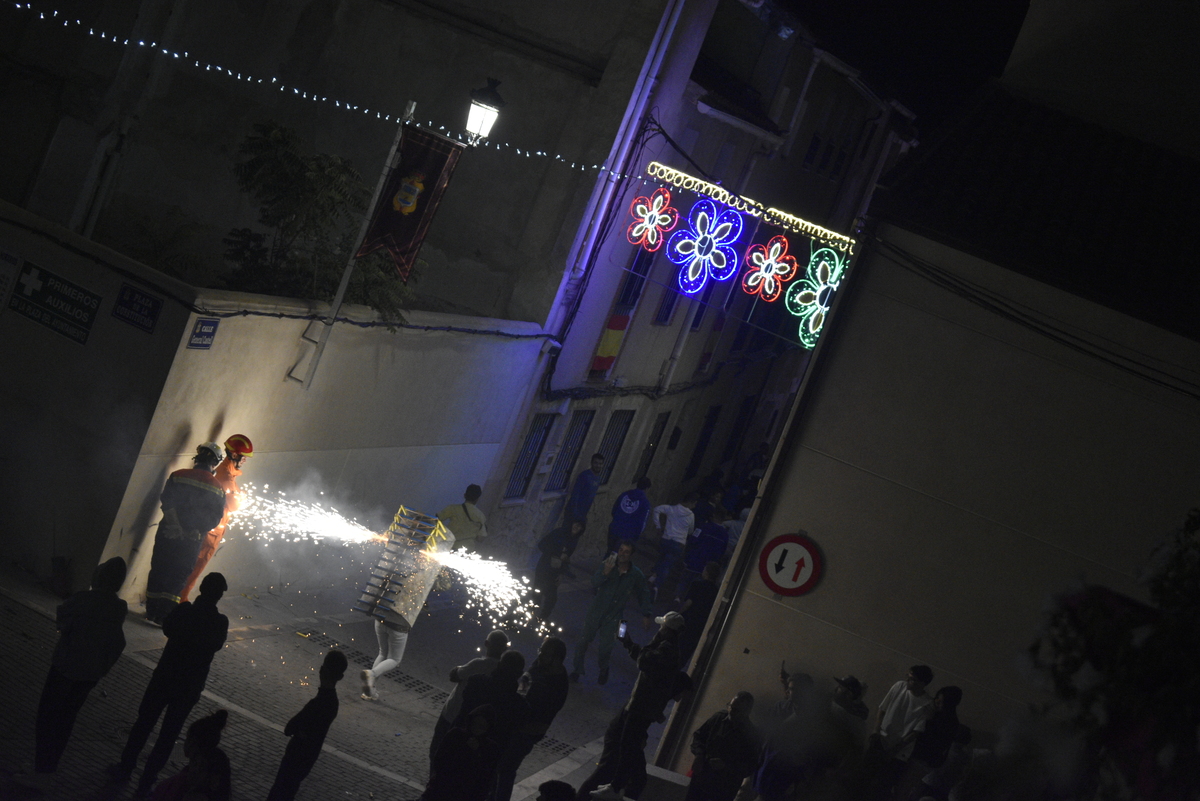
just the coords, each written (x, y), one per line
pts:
(391, 648)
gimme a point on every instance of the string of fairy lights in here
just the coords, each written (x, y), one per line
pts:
(196, 62)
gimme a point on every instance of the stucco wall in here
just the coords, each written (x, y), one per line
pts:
(73, 416)
(407, 418)
(957, 470)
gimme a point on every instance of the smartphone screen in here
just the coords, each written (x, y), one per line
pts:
(624, 627)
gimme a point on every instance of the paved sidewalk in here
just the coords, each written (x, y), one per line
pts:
(267, 671)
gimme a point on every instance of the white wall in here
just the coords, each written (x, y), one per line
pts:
(407, 418)
(957, 470)
(73, 416)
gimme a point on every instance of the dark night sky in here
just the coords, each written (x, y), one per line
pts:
(928, 54)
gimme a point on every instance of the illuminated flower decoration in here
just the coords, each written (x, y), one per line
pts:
(703, 249)
(809, 298)
(654, 217)
(768, 268)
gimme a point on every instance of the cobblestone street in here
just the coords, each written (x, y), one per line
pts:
(267, 671)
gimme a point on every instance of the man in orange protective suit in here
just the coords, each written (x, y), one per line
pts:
(238, 448)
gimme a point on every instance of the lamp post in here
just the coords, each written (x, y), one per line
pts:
(485, 108)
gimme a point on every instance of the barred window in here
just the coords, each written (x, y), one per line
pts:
(560, 474)
(614, 438)
(527, 460)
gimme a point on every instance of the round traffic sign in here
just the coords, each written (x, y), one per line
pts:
(790, 564)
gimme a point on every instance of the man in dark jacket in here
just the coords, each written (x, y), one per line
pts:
(726, 750)
(499, 691)
(307, 730)
(193, 504)
(658, 663)
(195, 632)
(90, 642)
(546, 691)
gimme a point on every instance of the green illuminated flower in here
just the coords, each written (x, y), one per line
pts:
(810, 297)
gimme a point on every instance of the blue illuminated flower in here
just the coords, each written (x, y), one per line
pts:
(703, 248)
(810, 297)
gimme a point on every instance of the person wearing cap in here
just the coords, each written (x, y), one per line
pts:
(90, 641)
(238, 449)
(195, 632)
(193, 503)
(658, 664)
(847, 710)
(465, 521)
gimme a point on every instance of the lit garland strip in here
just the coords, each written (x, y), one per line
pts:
(53, 16)
(770, 216)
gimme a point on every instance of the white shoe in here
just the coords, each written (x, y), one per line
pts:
(606, 792)
(368, 685)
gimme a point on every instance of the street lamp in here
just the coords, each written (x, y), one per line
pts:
(485, 108)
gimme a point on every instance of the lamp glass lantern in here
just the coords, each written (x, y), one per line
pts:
(485, 108)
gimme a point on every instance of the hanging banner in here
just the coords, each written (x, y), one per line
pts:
(410, 197)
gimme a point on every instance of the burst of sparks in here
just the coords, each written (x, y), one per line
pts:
(273, 516)
(493, 592)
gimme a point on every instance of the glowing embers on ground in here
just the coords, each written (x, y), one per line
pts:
(271, 515)
(492, 592)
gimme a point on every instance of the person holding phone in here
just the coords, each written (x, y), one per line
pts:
(615, 581)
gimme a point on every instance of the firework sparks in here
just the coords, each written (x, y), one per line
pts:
(274, 516)
(492, 592)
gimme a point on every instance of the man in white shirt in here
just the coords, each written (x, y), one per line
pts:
(901, 717)
(676, 522)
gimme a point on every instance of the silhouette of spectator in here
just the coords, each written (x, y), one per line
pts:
(555, 548)
(195, 632)
(705, 544)
(498, 690)
(464, 766)
(635, 759)
(939, 782)
(697, 604)
(726, 748)
(630, 511)
(493, 647)
(579, 502)
(848, 712)
(938, 731)
(308, 729)
(555, 790)
(614, 581)
(206, 777)
(546, 694)
(89, 644)
(658, 664)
